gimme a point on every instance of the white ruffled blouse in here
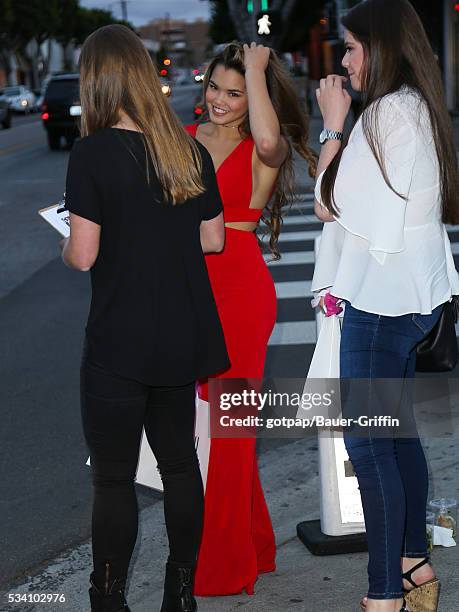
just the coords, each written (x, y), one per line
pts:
(384, 254)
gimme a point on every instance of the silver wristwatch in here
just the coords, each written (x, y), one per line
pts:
(329, 135)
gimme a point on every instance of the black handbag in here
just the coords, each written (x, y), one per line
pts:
(438, 351)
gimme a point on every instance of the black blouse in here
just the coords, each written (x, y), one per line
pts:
(153, 316)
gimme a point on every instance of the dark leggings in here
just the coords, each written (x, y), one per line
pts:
(114, 410)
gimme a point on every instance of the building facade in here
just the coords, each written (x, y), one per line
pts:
(186, 43)
(451, 53)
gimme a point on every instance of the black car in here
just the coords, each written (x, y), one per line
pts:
(5, 113)
(61, 109)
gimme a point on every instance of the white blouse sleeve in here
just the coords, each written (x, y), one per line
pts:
(318, 187)
(368, 207)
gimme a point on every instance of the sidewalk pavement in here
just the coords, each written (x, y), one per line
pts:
(301, 583)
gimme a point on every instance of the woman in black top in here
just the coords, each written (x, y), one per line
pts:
(144, 206)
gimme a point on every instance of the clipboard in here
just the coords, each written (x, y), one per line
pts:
(58, 217)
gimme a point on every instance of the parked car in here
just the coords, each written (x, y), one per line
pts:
(5, 113)
(21, 99)
(61, 109)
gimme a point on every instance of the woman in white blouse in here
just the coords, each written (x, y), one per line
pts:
(385, 197)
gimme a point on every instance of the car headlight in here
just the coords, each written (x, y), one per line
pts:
(24, 103)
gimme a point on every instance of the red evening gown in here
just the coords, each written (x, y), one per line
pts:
(238, 539)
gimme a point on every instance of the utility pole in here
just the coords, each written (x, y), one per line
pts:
(256, 10)
(124, 9)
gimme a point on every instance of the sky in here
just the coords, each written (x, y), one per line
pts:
(143, 11)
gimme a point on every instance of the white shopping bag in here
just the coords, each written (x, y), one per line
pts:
(325, 360)
(341, 510)
(147, 467)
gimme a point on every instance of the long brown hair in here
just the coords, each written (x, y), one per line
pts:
(117, 73)
(397, 52)
(294, 125)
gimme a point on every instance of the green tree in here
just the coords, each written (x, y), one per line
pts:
(89, 20)
(6, 35)
(28, 23)
(67, 26)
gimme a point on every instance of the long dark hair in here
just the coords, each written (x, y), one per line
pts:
(117, 74)
(397, 52)
(294, 125)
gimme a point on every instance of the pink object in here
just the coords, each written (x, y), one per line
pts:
(331, 305)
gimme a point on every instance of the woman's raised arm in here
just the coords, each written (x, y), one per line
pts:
(271, 146)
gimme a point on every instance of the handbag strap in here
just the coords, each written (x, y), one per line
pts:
(455, 305)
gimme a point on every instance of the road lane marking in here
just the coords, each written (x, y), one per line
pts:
(297, 236)
(293, 332)
(20, 146)
(293, 289)
(300, 219)
(299, 332)
(292, 259)
(15, 128)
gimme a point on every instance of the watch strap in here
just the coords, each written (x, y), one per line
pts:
(333, 135)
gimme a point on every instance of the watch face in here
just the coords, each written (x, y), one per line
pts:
(323, 136)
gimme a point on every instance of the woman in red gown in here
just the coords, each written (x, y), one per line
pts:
(249, 135)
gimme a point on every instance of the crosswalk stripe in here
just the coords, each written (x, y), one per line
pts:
(298, 207)
(293, 289)
(299, 332)
(307, 257)
(293, 332)
(292, 259)
(302, 195)
(300, 219)
(290, 333)
(299, 236)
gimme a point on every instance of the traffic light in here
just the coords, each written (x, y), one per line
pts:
(269, 23)
(264, 5)
(163, 72)
(167, 62)
(456, 7)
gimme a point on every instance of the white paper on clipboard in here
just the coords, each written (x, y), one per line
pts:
(58, 217)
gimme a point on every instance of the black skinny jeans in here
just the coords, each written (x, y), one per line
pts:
(114, 410)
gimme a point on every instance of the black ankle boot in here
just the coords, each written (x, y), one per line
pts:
(178, 588)
(109, 596)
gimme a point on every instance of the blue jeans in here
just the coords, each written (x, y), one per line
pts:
(391, 471)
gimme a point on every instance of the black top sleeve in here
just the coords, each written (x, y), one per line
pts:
(81, 194)
(210, 201)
